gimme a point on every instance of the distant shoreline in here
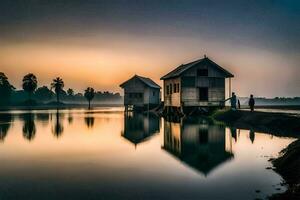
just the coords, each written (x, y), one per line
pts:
(60, 106)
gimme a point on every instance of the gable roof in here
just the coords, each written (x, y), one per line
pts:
(182, 68)
(145, 80)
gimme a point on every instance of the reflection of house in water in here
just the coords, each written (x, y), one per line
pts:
(197, 143)
(139, 127)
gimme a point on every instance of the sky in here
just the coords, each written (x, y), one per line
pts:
(102, 43)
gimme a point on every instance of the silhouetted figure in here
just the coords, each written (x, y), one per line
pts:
(233, 101)
(239, 104)
(29, 126)
(251, 103)
(233, 133)
(252, 136)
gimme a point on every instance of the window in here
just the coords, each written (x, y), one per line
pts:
(175, 88)
(168, 89)
(178, 87)
(202, 72)
(203, 94)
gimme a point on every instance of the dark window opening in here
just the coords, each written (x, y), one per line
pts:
(203, 94)
(202, 72)
(168, 89)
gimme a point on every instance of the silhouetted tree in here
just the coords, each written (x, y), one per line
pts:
(70, 92)
(57, 85)
(29, 84)
(89, 121)
(58, 127)
(89, 94)
(29, 126)
(43, 93)
(5, 89)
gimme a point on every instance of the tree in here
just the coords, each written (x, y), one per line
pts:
(43, 93)
(5, 89)
(57, 85)
(89, 94)
(70, 92)
(29, 84)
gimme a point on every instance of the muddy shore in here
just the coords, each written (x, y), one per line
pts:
(280, 124)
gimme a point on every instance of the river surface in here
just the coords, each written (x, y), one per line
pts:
(105, 154)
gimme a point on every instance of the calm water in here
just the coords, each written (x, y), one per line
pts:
(102, 154)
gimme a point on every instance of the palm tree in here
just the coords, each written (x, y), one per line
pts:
(89, 94)
(29, 84)
(57, 85)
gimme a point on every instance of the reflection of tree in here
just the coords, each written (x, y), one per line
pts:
(89, 121)
(58, 128)
(42, 117)
(29, 126)
(70, 119)
(5, 121)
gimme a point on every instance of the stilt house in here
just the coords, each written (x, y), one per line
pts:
(200, 83)
(141, 93)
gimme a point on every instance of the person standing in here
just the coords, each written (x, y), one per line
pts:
(233, 101)
(251, 103)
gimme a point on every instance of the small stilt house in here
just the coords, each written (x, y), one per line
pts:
(141, 93)
(200, 83)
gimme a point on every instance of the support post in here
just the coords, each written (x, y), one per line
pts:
(229, 87)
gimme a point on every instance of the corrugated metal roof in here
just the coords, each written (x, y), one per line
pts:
(182, 68)
(145, 80)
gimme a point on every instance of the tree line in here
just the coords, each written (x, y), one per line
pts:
(31, 94)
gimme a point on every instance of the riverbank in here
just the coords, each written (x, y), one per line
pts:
(288, 166)
(279, 124)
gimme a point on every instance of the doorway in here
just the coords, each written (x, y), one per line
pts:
(203, 94)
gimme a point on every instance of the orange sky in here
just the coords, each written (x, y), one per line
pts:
(102, 44)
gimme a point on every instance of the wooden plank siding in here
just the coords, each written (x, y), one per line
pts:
(172, 98)
(190, 83)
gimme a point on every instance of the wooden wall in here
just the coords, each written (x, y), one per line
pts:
(172, 99)
(137, 86)
(190, 84)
